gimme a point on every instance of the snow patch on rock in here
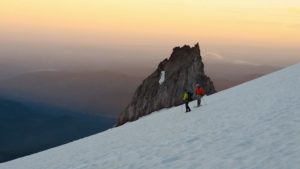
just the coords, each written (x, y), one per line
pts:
(162, 77)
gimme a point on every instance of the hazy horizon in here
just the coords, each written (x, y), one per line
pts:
(72, 34)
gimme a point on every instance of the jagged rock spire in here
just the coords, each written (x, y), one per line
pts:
(182, 71)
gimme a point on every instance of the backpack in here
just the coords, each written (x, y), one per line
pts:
(190, 96)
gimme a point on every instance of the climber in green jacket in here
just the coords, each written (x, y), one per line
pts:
(187, 97)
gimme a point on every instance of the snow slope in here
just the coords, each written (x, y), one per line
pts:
(252, 126)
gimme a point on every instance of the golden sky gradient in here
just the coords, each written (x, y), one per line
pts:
(270, 23)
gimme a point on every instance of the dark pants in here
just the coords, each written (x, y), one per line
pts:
(187, 107)
(199, 100)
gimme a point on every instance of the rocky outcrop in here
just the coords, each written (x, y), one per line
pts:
(164, 87)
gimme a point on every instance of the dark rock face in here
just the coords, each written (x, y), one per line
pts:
(183, 70)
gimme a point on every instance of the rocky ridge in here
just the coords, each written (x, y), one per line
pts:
(164, 87)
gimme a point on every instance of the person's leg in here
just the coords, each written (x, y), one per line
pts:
(186, 106)
(200, 97)
(198, 101)
(189, 109)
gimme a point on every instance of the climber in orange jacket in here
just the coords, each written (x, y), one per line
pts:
(199, 92)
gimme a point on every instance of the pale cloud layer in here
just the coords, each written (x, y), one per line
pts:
(213, 55)
(243, 62)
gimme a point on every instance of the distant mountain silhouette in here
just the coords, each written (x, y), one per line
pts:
(95, 92)
(29, 128)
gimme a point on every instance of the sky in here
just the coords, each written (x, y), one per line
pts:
(49, 33)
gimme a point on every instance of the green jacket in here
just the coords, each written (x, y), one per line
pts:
(185, 96)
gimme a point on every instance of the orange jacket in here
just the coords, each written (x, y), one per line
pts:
(200, 91)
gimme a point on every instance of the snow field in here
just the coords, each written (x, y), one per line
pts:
(252, 126)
